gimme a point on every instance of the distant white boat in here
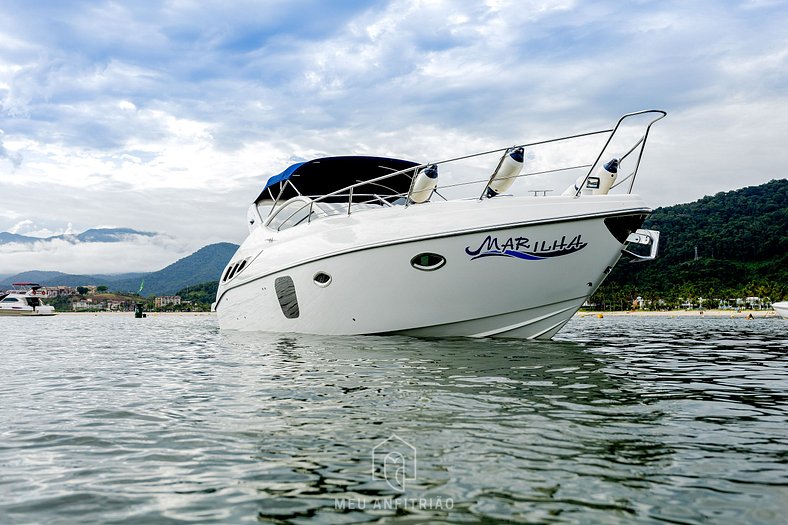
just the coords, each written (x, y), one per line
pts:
(781, 309)
(372, 245)
(25, 300)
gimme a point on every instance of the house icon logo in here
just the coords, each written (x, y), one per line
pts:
(394, 460)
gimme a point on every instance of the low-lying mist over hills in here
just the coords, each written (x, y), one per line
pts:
(100, 250)
(206, 264)
(91, 235)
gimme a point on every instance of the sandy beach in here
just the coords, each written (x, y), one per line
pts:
(149, 314)
(756, 314)
(744, 314)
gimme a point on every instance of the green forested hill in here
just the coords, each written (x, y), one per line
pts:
(206, 264)
(203, 294)
(742, 246)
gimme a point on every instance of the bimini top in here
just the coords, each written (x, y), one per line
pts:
(320, 177)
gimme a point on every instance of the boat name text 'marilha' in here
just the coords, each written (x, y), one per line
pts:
(521, 248)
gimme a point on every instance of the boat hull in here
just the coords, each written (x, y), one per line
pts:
(507, 278)
(781, 309)
(26, 313)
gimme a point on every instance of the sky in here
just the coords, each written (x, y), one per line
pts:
(170, 116)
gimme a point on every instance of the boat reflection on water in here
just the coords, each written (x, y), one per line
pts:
(515, 418)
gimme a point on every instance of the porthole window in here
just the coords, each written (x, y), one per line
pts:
(428, 261)
(322, 279)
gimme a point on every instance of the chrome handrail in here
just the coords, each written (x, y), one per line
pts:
(610, 138)
(349, 190)
(643, 146)
(416, 168)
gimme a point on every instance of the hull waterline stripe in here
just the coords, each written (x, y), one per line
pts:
(406, 331)
(556, 325)
(526, 323)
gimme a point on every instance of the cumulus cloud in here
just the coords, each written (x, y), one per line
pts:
(170, 117)
(22, 227)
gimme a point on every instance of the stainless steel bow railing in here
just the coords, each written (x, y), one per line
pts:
(389, 199)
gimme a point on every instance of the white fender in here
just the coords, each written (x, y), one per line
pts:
(507, 172)
(425, 183)
(607, 176)
(597, 184)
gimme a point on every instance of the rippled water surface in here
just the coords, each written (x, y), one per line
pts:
(111, 419)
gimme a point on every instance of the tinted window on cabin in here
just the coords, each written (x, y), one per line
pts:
(285, 292)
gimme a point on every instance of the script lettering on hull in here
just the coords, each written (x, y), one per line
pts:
(525, 248)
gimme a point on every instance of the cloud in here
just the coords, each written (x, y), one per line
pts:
(170, 117)
(15, 158)
(139, 254)
(21, 227)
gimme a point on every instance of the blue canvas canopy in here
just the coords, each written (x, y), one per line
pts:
(319, 177)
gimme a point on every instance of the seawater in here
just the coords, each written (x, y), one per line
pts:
(167, 420)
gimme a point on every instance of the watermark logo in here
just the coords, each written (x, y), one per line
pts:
(394, 461)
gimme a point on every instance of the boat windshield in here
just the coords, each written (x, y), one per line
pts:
(301, 210)
(293, 212)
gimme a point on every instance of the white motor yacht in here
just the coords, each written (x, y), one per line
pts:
(781, 308)
(25, 299)
(372, 245)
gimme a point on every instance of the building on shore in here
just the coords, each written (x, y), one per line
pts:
(167, 300)
(108, 305)
(60, 291)
(84, 304)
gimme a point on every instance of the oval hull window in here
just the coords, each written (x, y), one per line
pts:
(428, 262)
(322, 279)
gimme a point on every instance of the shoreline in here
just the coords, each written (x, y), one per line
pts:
(131, 313)
(733, 314)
